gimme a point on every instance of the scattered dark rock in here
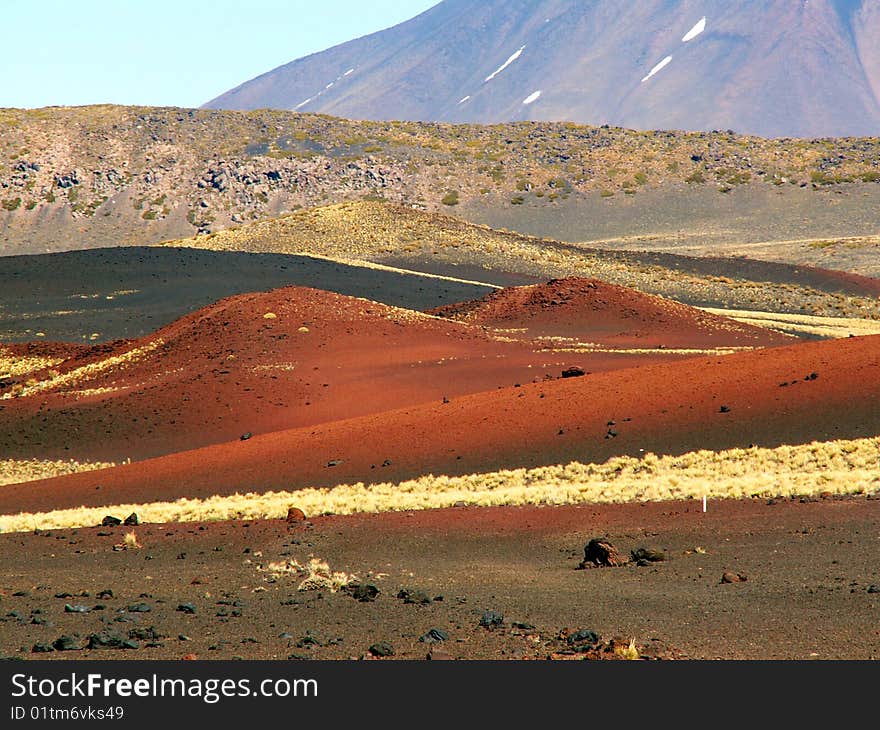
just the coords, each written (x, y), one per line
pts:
(433, 635)
(110, 640)
(76, 608)
(334, 462)
(106, 593)
(298, 658)
(491, 619)
(730, 577)
(64, 595)
(147, 633)
(245, 436)
(139, 608)
(812, 376)
(66, 643)
(382, 649)
(110, 521)
(573, 372)
(873, 589)
(582, 639)
(308, 640)
(645, 556)
(522, 626)
(724, 409)
(363, 592)
(186, 608)
(414, 595)
(41, 648)
(599, 553)
(133, 520)
(21, 594)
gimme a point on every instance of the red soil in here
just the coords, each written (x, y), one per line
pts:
(225, 370)
(595, 311)
(668, 408)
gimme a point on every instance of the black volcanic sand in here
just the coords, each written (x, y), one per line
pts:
(64, 295)
(770, 272)
(750, 213)
(809, 568)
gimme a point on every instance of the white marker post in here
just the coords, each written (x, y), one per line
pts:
(704, 503)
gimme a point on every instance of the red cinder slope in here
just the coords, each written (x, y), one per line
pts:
(831, 390)
(264, 362)
(595, 311)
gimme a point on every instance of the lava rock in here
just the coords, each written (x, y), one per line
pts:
(414, 595)
(76, 608)
(110, 521)
(523, 626)
(109, 640)
(582, 639)
(363, 592)
(65, 643)
(600, 553)
(41, 648)
(645, 556)
(148, 633)
(491, 619)
(382, 649)
(133, 520)
(433, 636)
(186, 608)
(573, 372)
(730, 577)
(295, 515)
(139, 608)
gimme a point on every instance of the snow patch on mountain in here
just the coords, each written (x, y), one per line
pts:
(695, 31)
(659, 67)
(504, 65)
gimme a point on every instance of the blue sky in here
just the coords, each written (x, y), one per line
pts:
(168, 52)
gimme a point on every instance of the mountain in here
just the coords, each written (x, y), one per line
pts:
(799, 68)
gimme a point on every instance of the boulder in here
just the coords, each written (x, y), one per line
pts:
(600, 553)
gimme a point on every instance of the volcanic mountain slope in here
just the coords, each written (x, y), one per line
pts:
(785, 395)
(591, 310)
(774, 68)
(271, 361)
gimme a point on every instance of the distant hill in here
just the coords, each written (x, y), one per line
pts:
(73, 178)
(802, 68)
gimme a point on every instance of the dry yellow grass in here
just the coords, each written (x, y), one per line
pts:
(56, 381)
(15, 471)
(803, 324)
(316, 575)
(14, 366)
(838, 467)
